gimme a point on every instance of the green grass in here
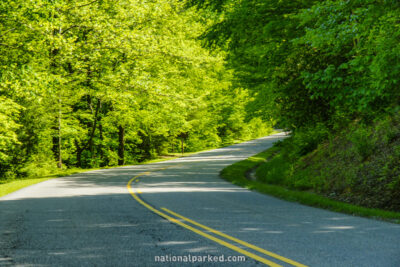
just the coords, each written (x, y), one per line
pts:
(236, 174)
(12, 185)
(9, 186)
(15, 185)
(273, 170)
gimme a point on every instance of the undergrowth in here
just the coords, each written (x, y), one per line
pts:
(236, 174)
(359, 165)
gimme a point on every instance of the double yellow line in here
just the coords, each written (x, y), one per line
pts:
(208, 236)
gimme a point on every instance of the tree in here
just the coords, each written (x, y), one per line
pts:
(92, 83)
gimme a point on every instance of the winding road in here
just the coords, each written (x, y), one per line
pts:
(180, 213)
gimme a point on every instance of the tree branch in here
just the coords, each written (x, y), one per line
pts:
(94, 125)
(73, 26)
(88, 4)
(9, 30)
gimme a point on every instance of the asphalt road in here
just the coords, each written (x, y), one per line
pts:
(150, 215)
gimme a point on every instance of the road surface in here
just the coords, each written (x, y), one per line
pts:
(180, 213)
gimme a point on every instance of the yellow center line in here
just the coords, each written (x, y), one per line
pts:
(215, 239)
(266, 252)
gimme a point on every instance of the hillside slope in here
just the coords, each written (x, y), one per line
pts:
(359, 165)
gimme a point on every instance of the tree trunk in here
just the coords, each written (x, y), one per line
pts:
(121, 147)
(59, 164)
(183, 136)
(79, 158)
(92, 152)
(79, 151)
(101, 149)
(82, 147)
(182, 146)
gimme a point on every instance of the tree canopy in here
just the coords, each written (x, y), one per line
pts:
(309, 62)
(97, 83)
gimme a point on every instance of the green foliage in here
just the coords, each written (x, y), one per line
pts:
(312, 62)
(236, 173)
(316, 67)
(39, 165)
(274, 171)
(306, 140)
(363, 142)
(9, 111)
(98, 84)
(359, 165)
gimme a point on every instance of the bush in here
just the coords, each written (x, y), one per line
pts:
(304, 141)
(274, 171)
(363, 141)
(38, 166)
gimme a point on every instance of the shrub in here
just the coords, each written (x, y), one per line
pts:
(363, 141)
(274, 171)
(39, 165)
(304, 141)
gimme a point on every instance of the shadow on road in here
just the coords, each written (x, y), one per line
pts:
(91, 219)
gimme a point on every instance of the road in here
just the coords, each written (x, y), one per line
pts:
(150, 215)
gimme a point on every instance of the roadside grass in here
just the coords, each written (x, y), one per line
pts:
(236, 174)
(12, 185)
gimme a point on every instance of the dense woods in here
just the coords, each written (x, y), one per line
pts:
(312, 62)
(99, 83)
(329, 72)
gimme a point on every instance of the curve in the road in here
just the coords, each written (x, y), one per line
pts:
(90, 219)
(208, 236)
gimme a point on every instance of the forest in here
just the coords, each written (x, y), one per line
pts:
(327, 71)
(101, 83)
